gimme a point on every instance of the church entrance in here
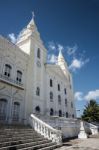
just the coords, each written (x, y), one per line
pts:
(37, 109)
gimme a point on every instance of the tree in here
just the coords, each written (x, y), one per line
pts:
(91, 112)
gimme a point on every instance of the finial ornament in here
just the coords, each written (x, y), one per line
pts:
(33, 15)
(60, 52)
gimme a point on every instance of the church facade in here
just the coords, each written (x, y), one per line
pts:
(28, 84)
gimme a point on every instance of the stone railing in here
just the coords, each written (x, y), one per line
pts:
(93, 128)
(11, 81)
(46, 130)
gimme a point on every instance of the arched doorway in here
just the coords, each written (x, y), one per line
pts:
(60, 113)
(3, 109)
(37, 109)
(16, 111)
(51, 112)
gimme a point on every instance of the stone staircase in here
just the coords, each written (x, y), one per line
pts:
(23, 138)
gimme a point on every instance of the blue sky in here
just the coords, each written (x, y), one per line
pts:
(70, 25)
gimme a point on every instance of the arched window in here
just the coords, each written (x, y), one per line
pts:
(59, 99)
(51, 83)
(51, 112)
(65, 90)
(51, 96)
(58, 87)
(7, 71)
(16, 111)
(38, 91)
(37, 109)
(38, 52)
(66, 114)
(71, 104)
(72, 115)
(19, 76)
(65, 102)
(60, 113)
(3, 109)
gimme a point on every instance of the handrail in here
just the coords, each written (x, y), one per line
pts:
(46, 130)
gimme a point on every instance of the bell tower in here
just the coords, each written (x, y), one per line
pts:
(29, 41)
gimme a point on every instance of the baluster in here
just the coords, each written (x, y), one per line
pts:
(46, 130)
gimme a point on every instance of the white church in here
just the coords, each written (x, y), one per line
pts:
(29, 85)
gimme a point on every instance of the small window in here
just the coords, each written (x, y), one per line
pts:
(58, 87)
(38, 91)
(38, 53)
(66, 114)
(71, 104)
(72, 115)
(60, 113)
(51, 96)
(51, 83)
(19, 76)
(59, 99)
(65, 91)
(65, 102)
(51, 112)
(7, 71)
(69, 78)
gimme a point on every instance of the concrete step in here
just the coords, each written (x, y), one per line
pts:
(54, 146)
(15, 130)
(22, 138)
(17, 134)
(18, 138)
(20, 146)
(8, 143)
(40, 146)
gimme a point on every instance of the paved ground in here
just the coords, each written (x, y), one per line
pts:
(77, 144)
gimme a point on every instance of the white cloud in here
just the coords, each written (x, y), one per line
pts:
(55, 46)
(92, 95)
(12, 37)
(72, 50)
(52, 58)
(77, 63)
(78, 96)
(60, 47)
(51, 46)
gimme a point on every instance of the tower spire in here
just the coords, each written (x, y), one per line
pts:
(32, 22)
(61, 62)
(60, 53)
(33, 15)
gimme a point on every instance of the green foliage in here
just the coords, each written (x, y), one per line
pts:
(91, 112)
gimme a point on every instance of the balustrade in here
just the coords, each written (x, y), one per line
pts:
(10, 81)
(46, 130)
